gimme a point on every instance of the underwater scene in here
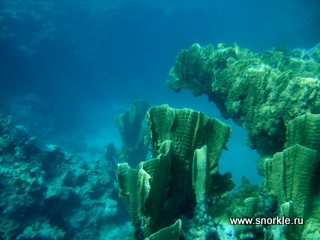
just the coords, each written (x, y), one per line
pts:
(159, 120)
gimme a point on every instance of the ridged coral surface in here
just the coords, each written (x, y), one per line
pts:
(144, 191)
(186, 146)
(289, 175)
(200, 174)
(260, 92)
(304, 130)
(132, 133)
(189, 130)
(168, 233)
(134, 188)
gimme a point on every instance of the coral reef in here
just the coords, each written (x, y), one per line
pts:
(169, 233)
(186, 146)
(249, 201)
(315, 53)
(132, 134)
(51, 194)
(179, 193)
(260, 92)
(292, 175)
(274, 95)
(146, 200)
(290, 191)
(190, 130)
(288, 177)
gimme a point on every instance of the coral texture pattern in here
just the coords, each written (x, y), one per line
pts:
(260, 92)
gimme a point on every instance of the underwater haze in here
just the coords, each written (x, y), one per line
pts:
(68, 68)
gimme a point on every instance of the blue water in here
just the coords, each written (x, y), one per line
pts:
(67, 68)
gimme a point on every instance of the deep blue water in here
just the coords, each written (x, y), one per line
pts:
(67, 68)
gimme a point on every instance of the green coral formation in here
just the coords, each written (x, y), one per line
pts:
(292, 176)
(260, 92)
(182, 180)
(274, 95)
(144, 191)
(168, 233)
(291, 179)
(200, 174)
(289, 174)
(304, 130)
(249, 201)
(132, 134)
(288, 177)
(184, 173)
(189, 130)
